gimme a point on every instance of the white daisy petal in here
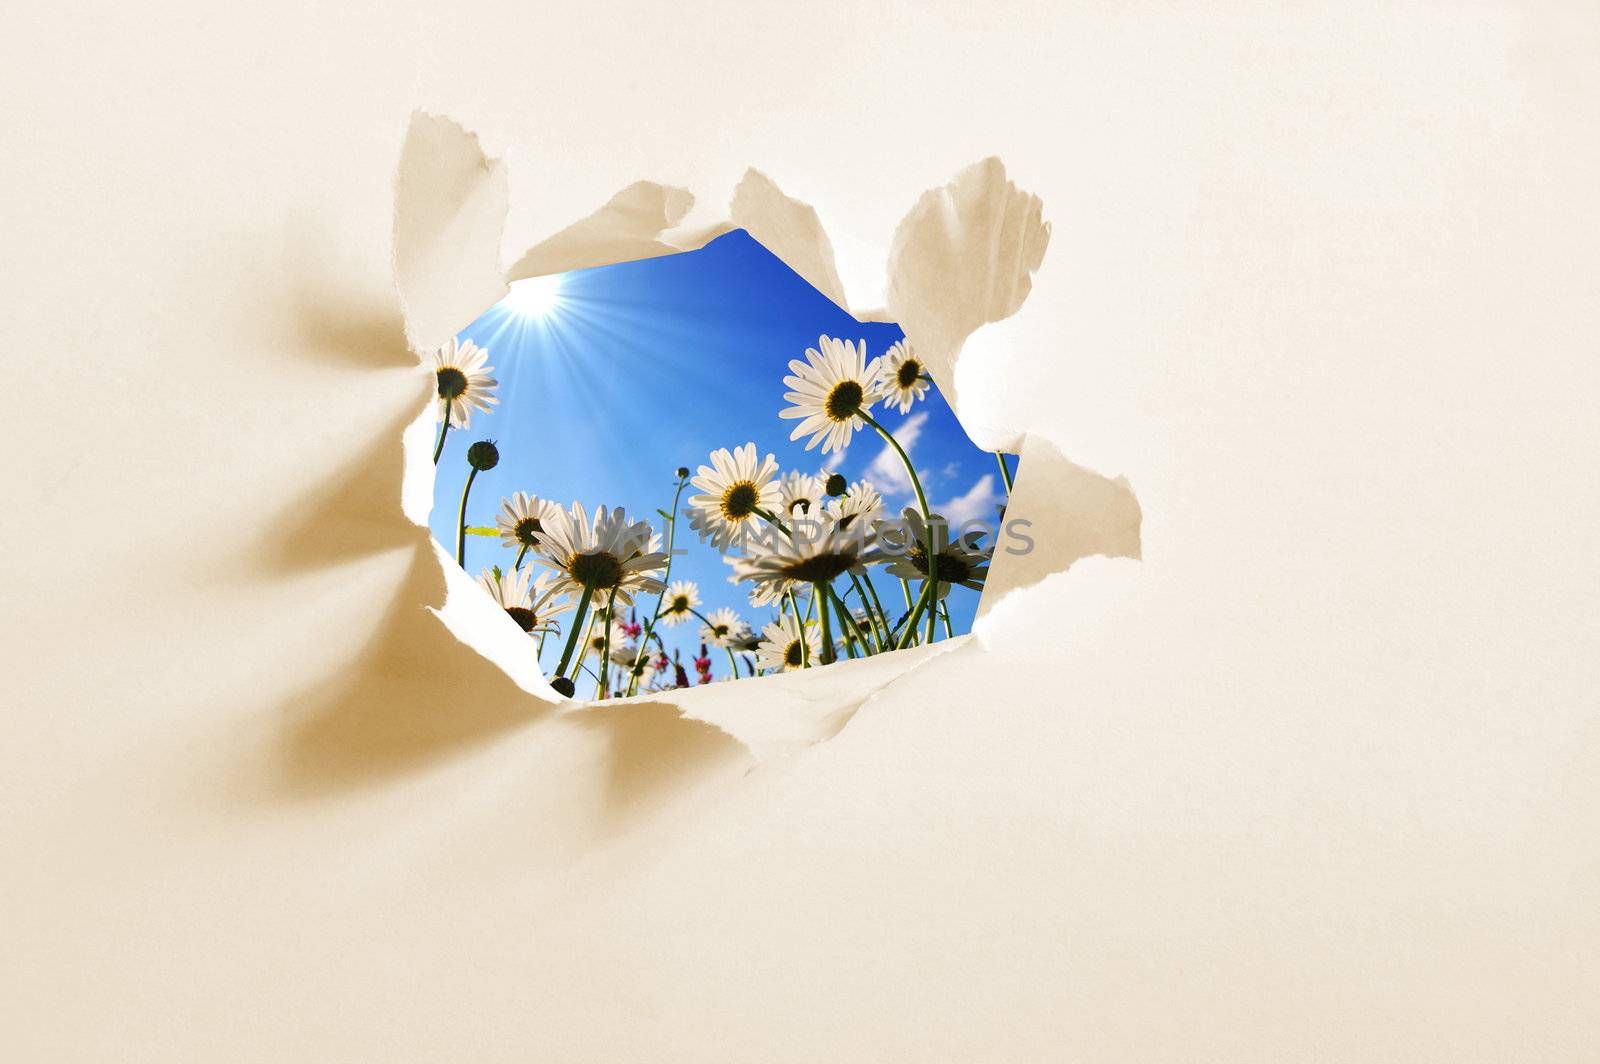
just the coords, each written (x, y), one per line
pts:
(828, 390)
(783, 647)
(727, 511)
(723, 628)
(461, 373)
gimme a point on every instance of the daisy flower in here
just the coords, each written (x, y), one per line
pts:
(531, 607)
(830, 389)
(801, 493)
(733, 488)
(961, 561)
(596, 644)
(782, 647)
(764, 594)
(608, 554)
(861, 502)
(521, 519)
(645, 670)
(677, 605)
(462, 370)
(804, 559)
(723, 628)
(901, 377)
(624, 655)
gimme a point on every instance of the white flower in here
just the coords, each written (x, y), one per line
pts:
(603, 611)
(521, 519)
(830, 389)
(801, 494)
(597, 639)
(724, 628)
(816, 555)
(462, 371)
(644, 669)
(861, 502)
(733, 488)
(900, 378)
(781, 646)
(763, 594)
(608, 555)
(961, 561)
(531, 608)
(677, 605)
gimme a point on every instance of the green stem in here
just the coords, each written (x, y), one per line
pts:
(800, 626)
(866, 607)
(520, 555)
(444, 429)
(944, 612)
(878, 622)
(849, 642)
(666, 575)
(577, 626)
(1005, 472)
(911, 470)
(911, 621)
(733, 662)
(461, 522)
(827, 655)
(852, 631)
(922, 501)
(771, 520)
(605, 646)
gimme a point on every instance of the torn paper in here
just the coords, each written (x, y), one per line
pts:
(963, 257)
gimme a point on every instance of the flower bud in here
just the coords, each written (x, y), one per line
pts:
(837, 485)
(563, 686)
(683, 472)
(483, 455)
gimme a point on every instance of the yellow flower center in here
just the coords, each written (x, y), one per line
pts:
(739, 501)
(452, 382)
(823, 567)
(951, 568)
(525, 531)
(844, 401)
(597, 571)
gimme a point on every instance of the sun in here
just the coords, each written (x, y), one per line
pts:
(536, 297)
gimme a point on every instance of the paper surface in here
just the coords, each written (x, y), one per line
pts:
(1312, 781)
(963, 257)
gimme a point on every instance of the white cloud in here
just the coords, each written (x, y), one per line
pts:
(886, 470)
(834, 460)
(977, 504)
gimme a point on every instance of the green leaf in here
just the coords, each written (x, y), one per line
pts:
(472, 531)
(664, 515)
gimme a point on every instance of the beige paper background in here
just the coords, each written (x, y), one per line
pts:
(1315, 780)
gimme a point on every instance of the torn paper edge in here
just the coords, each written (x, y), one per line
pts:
(963, 257)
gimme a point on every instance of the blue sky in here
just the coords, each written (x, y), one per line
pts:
(646, 366)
